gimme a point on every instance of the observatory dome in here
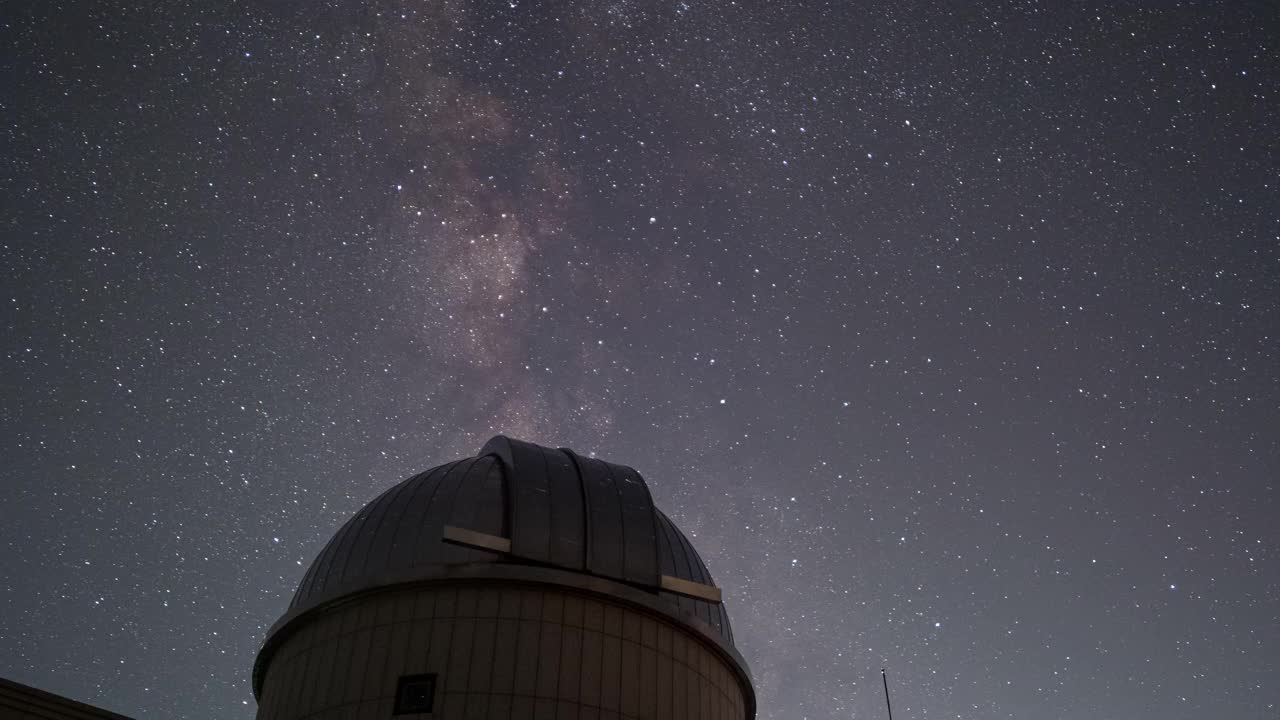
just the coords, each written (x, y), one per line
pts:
(517, 513)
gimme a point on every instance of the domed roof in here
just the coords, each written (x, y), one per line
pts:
(519, 503)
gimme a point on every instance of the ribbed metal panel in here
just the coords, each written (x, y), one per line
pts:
(639, 531)
(568, 515)
(417, 505)
(604, 519)
(531, 501)
(678, 558)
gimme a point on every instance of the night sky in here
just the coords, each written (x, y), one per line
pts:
(949, 333)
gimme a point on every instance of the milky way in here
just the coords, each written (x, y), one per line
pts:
(948, 333)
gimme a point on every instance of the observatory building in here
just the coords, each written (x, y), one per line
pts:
(524, 582)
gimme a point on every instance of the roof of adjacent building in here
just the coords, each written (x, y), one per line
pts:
(23, 701)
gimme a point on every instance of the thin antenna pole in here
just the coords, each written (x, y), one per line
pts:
(885, 678)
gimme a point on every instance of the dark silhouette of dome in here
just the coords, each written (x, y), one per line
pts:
(557, 507)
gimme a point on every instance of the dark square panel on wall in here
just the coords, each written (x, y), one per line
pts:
(414, 694)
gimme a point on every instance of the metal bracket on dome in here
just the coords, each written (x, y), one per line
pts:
(692, 589)
(494, 543)
(476, 540)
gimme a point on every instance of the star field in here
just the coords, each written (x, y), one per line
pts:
(947, 332)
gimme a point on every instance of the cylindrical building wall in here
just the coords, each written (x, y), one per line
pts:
(497, 651)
